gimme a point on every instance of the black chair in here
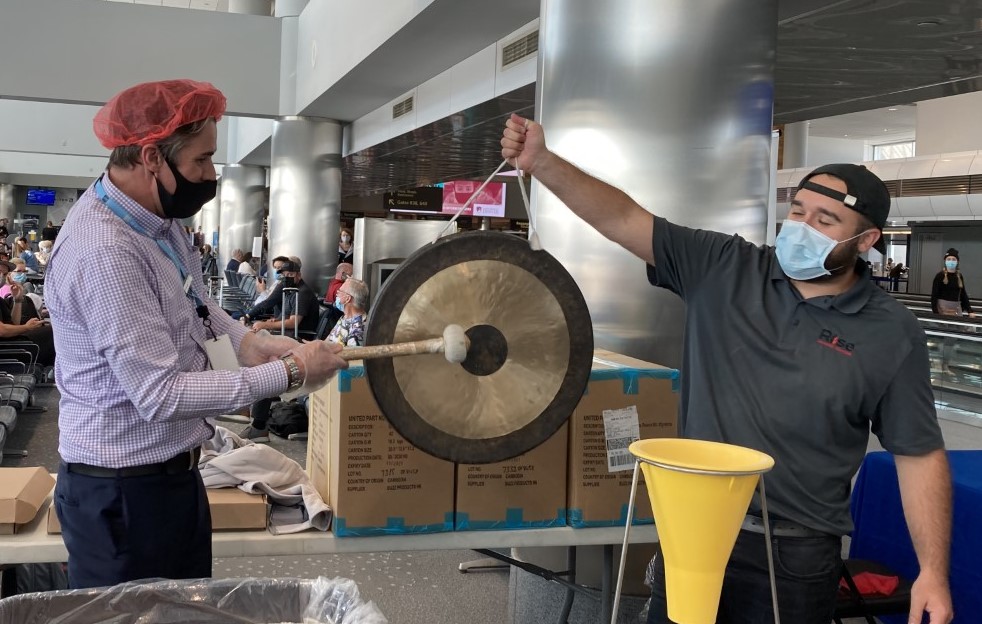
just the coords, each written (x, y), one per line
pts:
(325, 323)
(852, 604)
(8, 422)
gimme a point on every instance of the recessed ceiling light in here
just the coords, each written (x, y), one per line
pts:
(892, 108)
(886, 129)
(845, 135)
(929, 23)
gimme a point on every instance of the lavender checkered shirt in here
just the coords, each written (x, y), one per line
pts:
(134, 379)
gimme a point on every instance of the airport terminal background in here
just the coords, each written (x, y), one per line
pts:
(403, 120)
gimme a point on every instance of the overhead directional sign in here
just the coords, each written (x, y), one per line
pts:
(421, 199)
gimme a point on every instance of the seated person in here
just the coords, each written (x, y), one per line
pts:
(6, 267)
(21, 320)
(45, 252)
(245, 266)
(301, 312)
(23, 249)
(352, 301)
(343, 272)
(234, 261)
(264, 286)
(17, 275)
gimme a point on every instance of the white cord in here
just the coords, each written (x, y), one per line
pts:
(533, 236)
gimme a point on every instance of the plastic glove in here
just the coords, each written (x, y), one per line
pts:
(261, 347)
(318, 361)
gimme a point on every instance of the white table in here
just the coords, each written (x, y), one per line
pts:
(32, 544)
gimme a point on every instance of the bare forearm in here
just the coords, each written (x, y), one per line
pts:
(609, 210)
(925, 488)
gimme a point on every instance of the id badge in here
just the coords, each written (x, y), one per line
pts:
(220, 353)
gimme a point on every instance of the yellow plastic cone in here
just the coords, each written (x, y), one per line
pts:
(699, 494)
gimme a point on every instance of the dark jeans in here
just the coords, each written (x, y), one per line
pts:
(807, 571)
(121, 529)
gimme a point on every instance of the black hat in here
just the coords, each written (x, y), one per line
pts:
(952, 252)
(865, 193)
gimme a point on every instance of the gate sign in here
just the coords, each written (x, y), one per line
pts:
(421, 199)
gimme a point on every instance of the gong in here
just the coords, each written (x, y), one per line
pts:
(529, 358)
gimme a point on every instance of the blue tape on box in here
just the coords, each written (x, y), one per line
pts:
(393, 526)
(630, 376)
(575, 519)
(513, 520)
(345, 377)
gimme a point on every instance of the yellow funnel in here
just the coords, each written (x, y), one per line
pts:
(699, 493)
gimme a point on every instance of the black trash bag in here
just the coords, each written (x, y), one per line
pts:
(287, 418)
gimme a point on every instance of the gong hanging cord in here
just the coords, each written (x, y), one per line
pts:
(533, 236)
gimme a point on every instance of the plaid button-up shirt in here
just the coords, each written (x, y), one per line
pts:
(134, 378)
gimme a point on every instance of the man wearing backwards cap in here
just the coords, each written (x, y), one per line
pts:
(140, 371)
(793, 351)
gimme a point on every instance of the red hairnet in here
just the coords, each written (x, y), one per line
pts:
(149, 112)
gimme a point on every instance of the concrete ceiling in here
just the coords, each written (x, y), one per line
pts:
(201, 5)
(880, 125)
(835, 58)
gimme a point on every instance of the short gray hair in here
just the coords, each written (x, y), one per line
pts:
(127, 156)
(358, 291)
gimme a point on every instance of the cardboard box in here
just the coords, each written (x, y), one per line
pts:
(231, 509)
(596, 496)
(22, 492)
(376, 482)
(528, 491)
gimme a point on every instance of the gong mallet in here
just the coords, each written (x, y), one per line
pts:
(453, 345)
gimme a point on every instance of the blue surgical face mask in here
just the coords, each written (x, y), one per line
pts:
(20, 278)
(276, 275)
(802, 250)
(337, 304)
(951, 265)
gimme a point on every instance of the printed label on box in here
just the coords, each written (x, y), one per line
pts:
(621, 428)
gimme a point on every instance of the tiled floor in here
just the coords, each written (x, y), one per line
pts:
(410, 588)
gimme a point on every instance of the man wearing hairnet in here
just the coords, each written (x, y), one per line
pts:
(141, 367)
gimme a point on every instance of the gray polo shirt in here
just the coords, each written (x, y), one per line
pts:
(803, 380)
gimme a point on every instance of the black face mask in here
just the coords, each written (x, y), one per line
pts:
(188, 198)
(289, 282)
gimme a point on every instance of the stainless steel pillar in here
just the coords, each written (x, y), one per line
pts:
(243, 202)
(7, 209)
(672, 102)
(209, 217)
(305, 195)
(795, 145)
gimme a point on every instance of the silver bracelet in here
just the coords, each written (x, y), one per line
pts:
(293, 372)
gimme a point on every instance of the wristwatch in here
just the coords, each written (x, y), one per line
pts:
(293, 372)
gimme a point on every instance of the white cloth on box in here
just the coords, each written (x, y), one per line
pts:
(230, 461)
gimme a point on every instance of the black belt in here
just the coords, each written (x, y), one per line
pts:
(178, 464)
(780, 528)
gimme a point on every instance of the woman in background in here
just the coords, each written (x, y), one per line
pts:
(948, 294)
(346, 247)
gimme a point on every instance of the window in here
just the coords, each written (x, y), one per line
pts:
(886, 151)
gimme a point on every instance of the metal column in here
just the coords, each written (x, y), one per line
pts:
(305, 195)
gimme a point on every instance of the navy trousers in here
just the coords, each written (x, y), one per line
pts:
(120, 529)
(807, 571)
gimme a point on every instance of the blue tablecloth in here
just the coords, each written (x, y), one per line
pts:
(881, 531)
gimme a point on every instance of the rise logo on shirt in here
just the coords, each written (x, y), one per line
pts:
(836, 343)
